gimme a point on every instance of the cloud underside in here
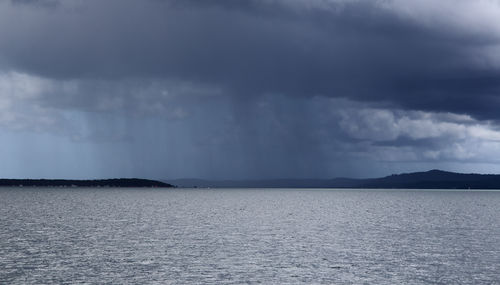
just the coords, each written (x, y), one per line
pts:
(308, 81)
(212, 135)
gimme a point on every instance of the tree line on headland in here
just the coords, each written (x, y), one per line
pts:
(118, 182)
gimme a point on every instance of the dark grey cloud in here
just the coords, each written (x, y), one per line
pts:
(362, 50)
(250, 89)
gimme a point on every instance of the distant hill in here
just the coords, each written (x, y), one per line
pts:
(433, 179)
(120, 182)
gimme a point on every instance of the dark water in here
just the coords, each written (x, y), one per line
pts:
(67, 236)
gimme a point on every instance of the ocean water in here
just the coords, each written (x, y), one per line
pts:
(214, 236)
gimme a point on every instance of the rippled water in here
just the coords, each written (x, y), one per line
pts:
(180, 236)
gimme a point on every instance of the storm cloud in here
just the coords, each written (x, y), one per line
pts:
(267, 88)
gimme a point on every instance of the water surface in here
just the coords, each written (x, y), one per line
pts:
(178, 236)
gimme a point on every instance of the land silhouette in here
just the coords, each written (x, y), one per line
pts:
(119, 182)
(433, 179)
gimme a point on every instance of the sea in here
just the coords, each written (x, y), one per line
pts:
(248, 236)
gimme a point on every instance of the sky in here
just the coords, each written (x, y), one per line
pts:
(248, 89)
